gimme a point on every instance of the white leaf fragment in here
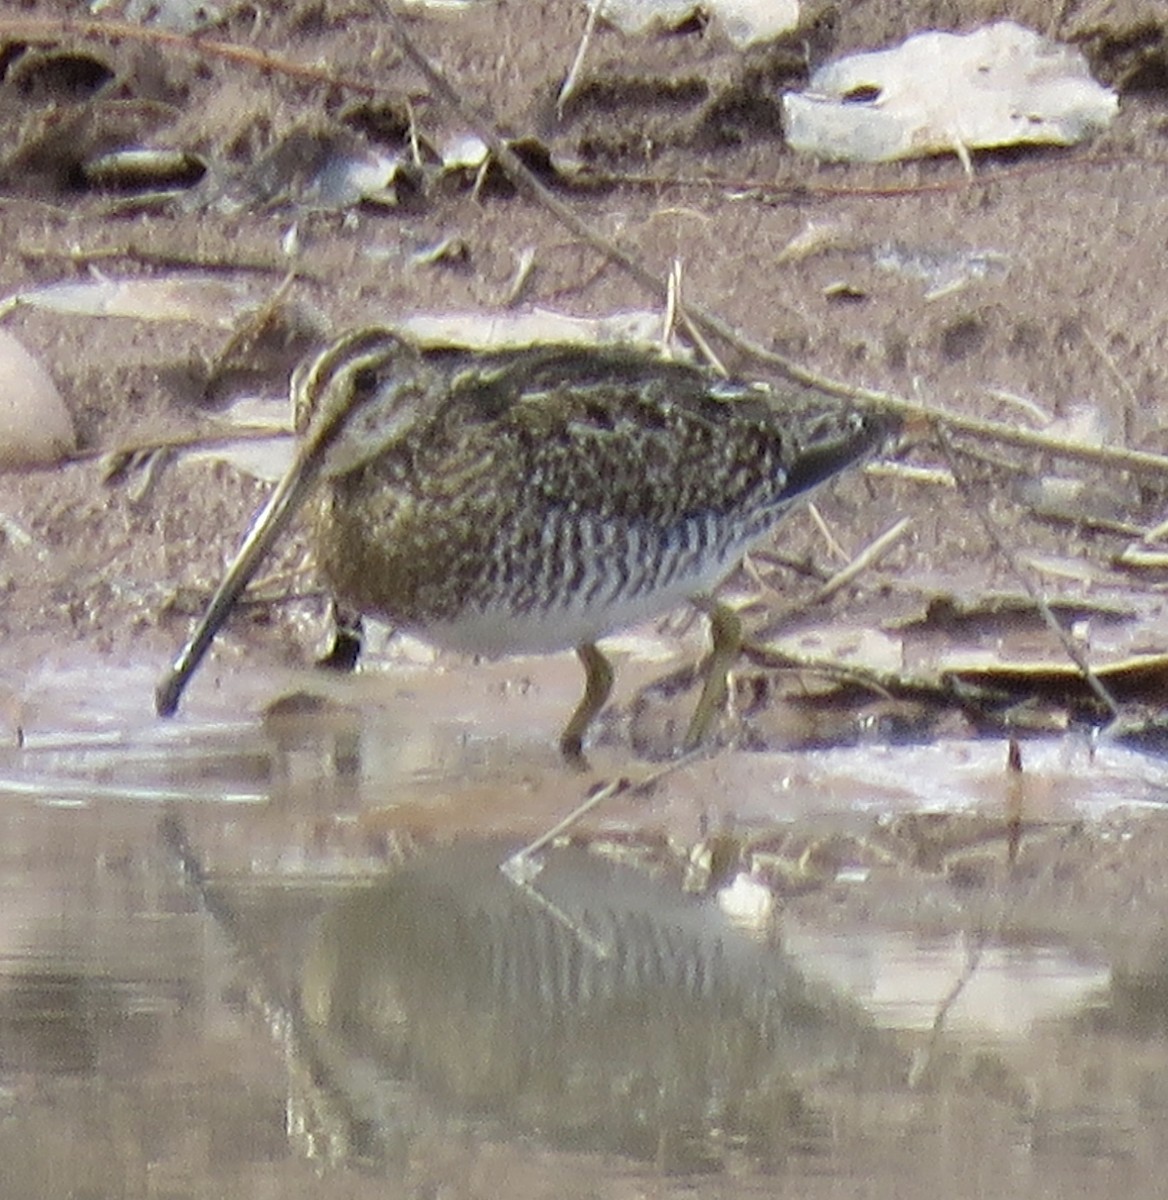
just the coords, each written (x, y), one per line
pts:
(198, 299)
(506, 330)
(748, 22)
(745, 22)
(265, 458)
(936, 93)
(748, 902)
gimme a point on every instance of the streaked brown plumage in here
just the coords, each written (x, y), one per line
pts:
(532, 500)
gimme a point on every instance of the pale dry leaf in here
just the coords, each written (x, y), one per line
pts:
(198, 299)
(936, 93)
(745, 22)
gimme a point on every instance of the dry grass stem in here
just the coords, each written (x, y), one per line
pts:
(1070, 647)
(871, 554)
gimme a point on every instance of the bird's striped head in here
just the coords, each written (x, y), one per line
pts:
(357, 397)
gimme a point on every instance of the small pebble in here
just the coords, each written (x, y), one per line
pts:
(35, 426)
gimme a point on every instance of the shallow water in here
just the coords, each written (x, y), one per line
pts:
(275, 957)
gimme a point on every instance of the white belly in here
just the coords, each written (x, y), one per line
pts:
(499, 633)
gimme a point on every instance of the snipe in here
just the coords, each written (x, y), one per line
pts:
(534, 500)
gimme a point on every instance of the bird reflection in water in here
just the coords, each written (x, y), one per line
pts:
(655, 1030)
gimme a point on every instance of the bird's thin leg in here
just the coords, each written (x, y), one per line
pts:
(726, 633)
(348, 640)
(597, 685)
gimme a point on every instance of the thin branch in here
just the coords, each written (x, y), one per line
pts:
(871, 553)
(573, 77)
(41, 30)
(1071, 648)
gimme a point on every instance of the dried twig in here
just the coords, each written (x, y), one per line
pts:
(825, 531)
(573, 77)
(929, 476)
(870, 554)
(522, 867)
(38, 31)
(248, 330)
(1070, 647)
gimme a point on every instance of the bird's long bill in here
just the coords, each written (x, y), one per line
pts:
(267, 526)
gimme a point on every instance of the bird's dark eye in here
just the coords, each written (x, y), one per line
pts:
(365, 382)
